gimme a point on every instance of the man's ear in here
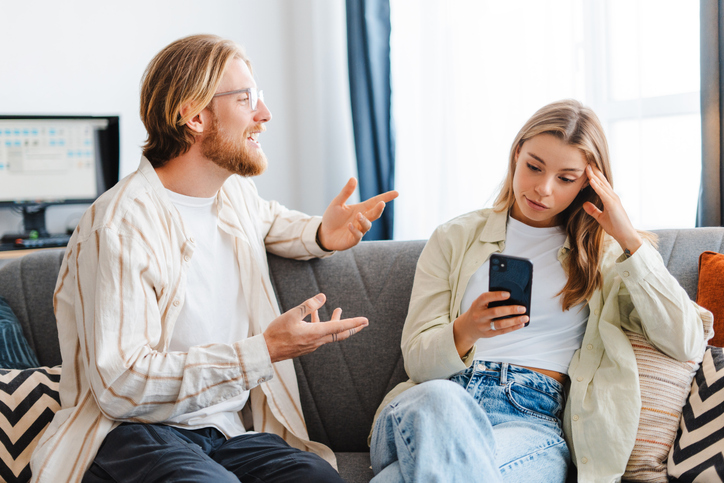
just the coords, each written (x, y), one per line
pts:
(198, 123)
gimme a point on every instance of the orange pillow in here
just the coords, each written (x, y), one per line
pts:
(710, 292)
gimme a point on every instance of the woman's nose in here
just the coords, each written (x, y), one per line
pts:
(544, 188)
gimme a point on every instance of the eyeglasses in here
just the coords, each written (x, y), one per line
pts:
(254, 95)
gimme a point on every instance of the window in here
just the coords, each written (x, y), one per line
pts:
(468, 73)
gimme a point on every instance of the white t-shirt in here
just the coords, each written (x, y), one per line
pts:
(553, 335)
(215, 310)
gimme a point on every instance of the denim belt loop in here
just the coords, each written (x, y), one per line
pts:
(504, 373)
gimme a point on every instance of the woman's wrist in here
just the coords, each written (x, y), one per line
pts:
(463, 343)
(630, 245)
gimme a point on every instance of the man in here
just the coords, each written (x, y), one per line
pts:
(167, 319)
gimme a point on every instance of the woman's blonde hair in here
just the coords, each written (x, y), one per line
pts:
(577, 126)
(185, 73)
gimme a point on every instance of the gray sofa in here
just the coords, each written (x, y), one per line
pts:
(340, 384)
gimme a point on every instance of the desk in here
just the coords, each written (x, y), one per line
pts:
(9, 251)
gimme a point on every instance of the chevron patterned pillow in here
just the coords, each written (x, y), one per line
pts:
(698, 452)
(28, 400)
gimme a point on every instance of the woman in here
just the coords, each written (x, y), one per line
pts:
(486, 394)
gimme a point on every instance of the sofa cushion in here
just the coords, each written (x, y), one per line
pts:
(665, 383)
(710, 290)
(28, 401)
(698, 451)
(341, 385)
(15, 353)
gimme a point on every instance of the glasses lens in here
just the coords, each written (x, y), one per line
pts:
(253, 98)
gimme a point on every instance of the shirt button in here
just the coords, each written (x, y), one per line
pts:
(481, 367)
(584, 460)
(176, 303)
(625, 274)
(192, 240)
(596, 312)
(589, 347)
(261, 379)
(579, 379)
(187, 258)
(575, 417)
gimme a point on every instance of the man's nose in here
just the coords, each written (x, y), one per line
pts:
(262, 113)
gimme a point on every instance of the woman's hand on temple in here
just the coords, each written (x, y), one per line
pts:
(613, 219)
(481, 321)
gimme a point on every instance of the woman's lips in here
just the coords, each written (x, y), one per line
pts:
(536, 206)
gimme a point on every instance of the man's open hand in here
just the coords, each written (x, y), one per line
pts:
(343, 225)
(289, 336)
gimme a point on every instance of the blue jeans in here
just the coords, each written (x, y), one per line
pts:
(492, 422)
(158, 453)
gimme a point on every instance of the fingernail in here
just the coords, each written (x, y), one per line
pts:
(320, 298)
(525, 318)
(521, 309)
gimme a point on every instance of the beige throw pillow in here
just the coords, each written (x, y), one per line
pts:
(665, 385)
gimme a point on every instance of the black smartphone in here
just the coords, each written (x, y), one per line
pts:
(514, 275)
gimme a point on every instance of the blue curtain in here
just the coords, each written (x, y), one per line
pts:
(368, 52)
(711, 201)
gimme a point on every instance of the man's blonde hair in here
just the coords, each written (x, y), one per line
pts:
(186, 73)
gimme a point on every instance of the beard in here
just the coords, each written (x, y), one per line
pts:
(231, 153)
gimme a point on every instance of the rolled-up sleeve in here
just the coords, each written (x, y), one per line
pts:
(652, 302)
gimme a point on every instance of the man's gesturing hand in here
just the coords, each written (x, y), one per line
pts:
(289, 336)
(343, 225)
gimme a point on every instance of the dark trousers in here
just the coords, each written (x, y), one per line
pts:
(154, 453)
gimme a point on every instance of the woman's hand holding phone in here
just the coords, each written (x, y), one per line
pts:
(481, 321)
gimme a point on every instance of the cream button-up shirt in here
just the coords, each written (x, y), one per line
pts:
(121, 287)
(603, 407)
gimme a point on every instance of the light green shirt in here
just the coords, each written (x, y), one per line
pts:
(603, 407)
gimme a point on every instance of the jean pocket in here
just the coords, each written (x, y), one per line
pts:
(534, 402)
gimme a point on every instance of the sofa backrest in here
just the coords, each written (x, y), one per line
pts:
(28, 284)
(340, 384)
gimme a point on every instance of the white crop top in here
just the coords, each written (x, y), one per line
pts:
(553, 335)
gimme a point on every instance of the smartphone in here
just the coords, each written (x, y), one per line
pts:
(514, 275)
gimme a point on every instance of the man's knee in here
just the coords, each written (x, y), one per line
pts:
(308, 467)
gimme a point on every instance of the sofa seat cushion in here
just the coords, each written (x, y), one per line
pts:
(354, 467)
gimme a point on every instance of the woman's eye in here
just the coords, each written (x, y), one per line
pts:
(567, 180)
(533, 168)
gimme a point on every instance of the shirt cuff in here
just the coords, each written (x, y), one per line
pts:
(254, 360)
(638, 266)
(309, 238)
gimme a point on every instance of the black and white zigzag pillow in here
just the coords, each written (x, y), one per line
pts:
(28, 400)
(698, 451)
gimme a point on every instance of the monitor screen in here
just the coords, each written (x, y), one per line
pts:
(47, 160)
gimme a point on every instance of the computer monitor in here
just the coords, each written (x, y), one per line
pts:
(50, 160)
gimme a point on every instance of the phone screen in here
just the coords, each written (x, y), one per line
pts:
(514, 275)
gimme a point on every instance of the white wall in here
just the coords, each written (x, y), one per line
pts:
(87, 57)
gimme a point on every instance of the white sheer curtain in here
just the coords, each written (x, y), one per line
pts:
(468, 73)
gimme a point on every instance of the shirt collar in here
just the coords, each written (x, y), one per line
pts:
(494, 229)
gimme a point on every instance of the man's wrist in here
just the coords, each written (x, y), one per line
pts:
(319, 242)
